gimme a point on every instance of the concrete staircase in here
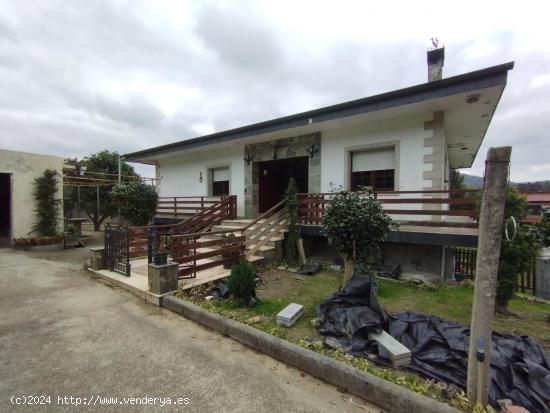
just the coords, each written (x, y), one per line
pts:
(270, 250)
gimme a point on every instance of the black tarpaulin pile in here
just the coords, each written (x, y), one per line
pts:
(520, 368)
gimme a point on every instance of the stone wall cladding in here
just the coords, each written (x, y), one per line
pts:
(436, 160)
(291, 147)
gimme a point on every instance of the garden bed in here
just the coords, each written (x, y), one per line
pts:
(279, 288)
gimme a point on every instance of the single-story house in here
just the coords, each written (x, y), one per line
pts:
(403, 140)
(18, 170)
(537, 202)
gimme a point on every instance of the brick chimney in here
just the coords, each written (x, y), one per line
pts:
(436, 58)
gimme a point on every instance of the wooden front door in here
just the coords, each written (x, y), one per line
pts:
(274, 177)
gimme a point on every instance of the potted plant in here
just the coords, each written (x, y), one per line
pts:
(71, 236)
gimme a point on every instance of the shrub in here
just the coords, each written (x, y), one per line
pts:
(356, 225)
(47, 206)
(543, 228)
(293, 229)
(241, 282)
(136, 201)
(516, 256)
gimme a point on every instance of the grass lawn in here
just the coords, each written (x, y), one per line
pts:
(455, 303)
(452, 302)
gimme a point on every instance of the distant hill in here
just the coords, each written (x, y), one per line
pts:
(474, 181)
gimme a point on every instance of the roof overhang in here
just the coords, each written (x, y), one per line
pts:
(469, 102)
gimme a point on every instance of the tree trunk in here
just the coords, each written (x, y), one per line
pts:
(349, 263)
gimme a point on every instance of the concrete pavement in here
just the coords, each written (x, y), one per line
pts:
(63, 333)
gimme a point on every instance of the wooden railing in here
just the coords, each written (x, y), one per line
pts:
(202, 250)
(194, 253)
(264, 226)
(184, 205)
(465, 265)
(203, 220)
(465, 262)
(426, 204)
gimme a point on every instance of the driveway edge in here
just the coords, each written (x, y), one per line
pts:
(389, 396)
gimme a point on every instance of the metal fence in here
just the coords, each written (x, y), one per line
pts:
(117, 249)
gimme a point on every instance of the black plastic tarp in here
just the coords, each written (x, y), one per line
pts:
(520, 368)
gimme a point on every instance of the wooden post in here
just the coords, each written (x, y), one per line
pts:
(488, 253)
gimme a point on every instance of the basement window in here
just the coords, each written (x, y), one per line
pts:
(374, 168)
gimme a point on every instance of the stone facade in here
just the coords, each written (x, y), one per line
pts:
(435, 163)
(284, 148)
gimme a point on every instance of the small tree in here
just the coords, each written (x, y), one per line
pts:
(293, 229)
(136, 201)
(242, 282)
(517, 254)
(96, 166)
(356, 225)
(46, 204)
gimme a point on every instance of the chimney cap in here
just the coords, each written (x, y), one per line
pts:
(436, 55)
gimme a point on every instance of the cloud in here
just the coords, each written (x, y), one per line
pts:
(78, 77)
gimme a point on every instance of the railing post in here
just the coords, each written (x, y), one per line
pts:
(175, 207)
(202, 203)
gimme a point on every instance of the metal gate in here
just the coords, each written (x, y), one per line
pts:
(117, 249)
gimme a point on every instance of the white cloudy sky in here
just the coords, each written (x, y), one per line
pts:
(77, 76)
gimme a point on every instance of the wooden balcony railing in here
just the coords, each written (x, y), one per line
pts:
(406, 207)
(179, 206)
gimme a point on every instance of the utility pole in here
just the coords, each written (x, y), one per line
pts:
(491, 220)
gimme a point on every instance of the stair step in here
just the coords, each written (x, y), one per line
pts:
(263, 248)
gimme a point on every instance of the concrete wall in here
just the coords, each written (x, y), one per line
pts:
(24, 168)
(179, 176)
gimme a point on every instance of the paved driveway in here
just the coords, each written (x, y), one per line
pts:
(63, 333)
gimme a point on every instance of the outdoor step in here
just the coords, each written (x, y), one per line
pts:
(241, 221)
(263, 248)
(232, 224)
(226, 227)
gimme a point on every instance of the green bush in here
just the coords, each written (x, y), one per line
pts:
(136, 201)
(47, 206)
(356, 225)
(293, 230)
(543, 229)
(516, 256)
(241, 282)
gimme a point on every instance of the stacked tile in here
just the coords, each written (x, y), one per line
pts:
(398, 354)
(290, 314)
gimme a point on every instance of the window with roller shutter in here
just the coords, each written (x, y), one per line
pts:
(220, 181)
(373, 168)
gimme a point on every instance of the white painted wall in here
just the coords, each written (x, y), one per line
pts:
(408, 134)
(179, 176)
(24, 168)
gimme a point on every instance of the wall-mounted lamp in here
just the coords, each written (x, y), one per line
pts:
(200, 176)
(247, 158)
(312, 150)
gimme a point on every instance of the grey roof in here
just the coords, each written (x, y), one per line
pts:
(479, 79)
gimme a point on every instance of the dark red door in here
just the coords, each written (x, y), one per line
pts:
(274, 177)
